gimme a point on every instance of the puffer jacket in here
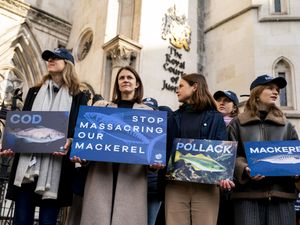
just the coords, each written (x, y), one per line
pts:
(248, 128)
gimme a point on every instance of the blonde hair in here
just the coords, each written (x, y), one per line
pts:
(69, 78)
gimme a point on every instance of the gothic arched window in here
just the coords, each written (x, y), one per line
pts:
(282, 68)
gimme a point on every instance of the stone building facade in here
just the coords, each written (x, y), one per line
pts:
(26, 30)
(230, 42)
(252, 38)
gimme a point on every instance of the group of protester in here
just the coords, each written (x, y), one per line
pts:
(128, 194)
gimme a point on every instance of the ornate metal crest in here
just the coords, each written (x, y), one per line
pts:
(176, 29)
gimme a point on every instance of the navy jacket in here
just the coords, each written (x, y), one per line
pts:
(212, 128)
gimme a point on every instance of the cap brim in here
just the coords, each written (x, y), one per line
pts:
(279, 81)
(46, 55)
(219, 94)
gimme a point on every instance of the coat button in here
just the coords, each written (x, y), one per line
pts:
(205, 124)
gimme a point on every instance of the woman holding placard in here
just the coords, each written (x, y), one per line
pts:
(197, 118)
(58, 91)
(115, 193)
(259, 199)
(227, 104)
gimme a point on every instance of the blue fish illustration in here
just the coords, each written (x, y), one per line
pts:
(98, 118)
(116, 119)
(280, 159)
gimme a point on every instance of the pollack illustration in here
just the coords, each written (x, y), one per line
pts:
(200, 162)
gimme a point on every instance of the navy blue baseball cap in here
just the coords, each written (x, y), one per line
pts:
(151, 102)
(266, 79)
(229, 94)
(60, 53)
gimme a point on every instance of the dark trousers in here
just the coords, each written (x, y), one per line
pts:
(264, 212)
(225, 216)
(25, 208)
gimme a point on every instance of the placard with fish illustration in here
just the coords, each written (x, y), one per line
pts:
(201, 161)
(120, 135)
(35, 131)
(273, 158)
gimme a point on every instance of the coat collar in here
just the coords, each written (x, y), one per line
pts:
(246, 118)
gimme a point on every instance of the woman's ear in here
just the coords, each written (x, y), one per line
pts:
(137, 85)
(195, 86)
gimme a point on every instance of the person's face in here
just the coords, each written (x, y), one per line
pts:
(56, 65)
(225, 105)
(185, 91)
(127, 82)
(269, 95)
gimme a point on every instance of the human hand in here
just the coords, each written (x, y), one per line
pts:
(6, 153)
(256, 177)
(156, 166)
(227, 184)
(76, 159)
(67, 147)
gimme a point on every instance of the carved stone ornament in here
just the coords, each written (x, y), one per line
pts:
(84, 44)
(121, 55)
(176, 29)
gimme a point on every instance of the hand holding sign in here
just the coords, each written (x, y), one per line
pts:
(7, 153)
(157, 166)
(256, 177)
(227, 184)
(67, 147)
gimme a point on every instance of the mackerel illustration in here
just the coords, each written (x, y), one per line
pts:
(281, 159)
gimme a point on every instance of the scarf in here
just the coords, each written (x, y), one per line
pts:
(45, 167)
(227, 119)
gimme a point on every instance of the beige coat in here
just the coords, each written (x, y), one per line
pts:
(130, 205)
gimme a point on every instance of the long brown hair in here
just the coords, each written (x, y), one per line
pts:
(235, 111)
(201, 99)
(252, 102)
(69, 78)
(139, 92)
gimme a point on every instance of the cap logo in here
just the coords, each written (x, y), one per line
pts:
(268, 78)
(57, 50)
(227, 92)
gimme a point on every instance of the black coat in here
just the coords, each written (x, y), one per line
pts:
(65, 194)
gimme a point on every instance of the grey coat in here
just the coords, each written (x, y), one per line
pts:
(130, 204)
